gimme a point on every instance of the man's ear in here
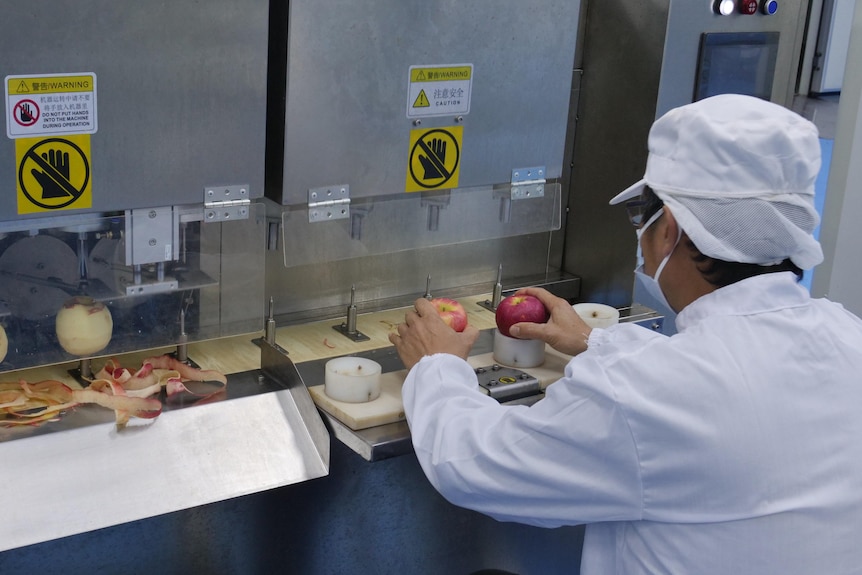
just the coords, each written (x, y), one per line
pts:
(669, 232)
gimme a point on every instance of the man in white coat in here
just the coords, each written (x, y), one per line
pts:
(733, 446)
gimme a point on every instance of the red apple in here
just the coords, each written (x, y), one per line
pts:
(451, 312)
(517, 308)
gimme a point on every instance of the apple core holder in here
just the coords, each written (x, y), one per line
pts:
(519, 353)
(352, 379)
(597, 314)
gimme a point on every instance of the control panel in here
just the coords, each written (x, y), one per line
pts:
(748, 7)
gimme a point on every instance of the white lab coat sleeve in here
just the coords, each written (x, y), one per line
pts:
(568, 459)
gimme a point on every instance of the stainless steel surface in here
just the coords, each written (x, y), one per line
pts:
(346, 122)
(347, 118)
(374, 443)
(185, 458)
(644, 316)
(181, 93)
(362, 519)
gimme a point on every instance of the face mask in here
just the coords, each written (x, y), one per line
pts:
(651, 283)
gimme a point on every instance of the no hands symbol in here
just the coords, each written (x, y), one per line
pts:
(53, 173)
(434, 158)
(26, 113)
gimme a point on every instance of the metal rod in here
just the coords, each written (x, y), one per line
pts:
(351, 311)
(498, 289)
(348, 328)
(182, 346)
(85, 369)
(82, 256)
(428, 288)
(270, 325)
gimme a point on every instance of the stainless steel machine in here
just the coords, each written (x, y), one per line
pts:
(362, 196)
(204, 171)
(128, 169)
(131, 172)
(207, 171)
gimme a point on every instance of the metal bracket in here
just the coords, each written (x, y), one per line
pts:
(354, 335)
(528, 183)
(328, 203)
(506, 383)
(223, 203)
(152, 288)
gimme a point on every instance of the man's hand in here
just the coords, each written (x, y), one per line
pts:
(424, 333)
(565, 331)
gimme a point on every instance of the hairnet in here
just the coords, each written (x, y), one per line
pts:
(738, 174)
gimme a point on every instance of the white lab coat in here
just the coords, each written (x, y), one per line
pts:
(732, 447)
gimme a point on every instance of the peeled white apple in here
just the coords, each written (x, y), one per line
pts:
(4, 343)
(84, 326)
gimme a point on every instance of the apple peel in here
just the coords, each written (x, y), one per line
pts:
(114, 387)
(46, 400)
(174, 382)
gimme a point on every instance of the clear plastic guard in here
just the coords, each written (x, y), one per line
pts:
(388, 224)
(211, 288)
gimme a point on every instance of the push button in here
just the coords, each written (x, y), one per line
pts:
(747, 6)
(769, 7)
(723, 7)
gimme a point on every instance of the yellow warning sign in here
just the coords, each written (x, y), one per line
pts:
(442, 90)
(53, 173)
(53, 84)
(50, 105)
(441, 73)
(421, 100)
(435, 159)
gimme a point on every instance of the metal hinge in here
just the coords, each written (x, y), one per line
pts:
(223, 203)
(528, 183)
(328, 203)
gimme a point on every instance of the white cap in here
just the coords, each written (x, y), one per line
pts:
(738, 174)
